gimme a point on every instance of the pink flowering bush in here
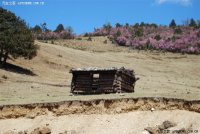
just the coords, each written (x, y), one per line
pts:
(121, 40)
(180, 39)
(54, 35)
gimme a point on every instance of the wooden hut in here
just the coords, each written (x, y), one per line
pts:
(102, 80)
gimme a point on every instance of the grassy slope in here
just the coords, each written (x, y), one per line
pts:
(165, 75)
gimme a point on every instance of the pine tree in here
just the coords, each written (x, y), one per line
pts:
(60, 28)
(192, 23)
(172, 23)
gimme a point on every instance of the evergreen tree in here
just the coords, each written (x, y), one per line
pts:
(44, 27)
(118, 25)
(60, 28)
(37, 29)
(107, 26)
(172, 23)
(69, 29)
(126, 25)
(16, 40)
(192, 23)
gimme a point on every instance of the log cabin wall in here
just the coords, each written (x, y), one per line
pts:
(81, 82)
(127, 83)
(106, 80)
(103, 81)
(124, 81)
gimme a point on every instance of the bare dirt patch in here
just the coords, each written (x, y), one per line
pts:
(101, 106)
(119, 116)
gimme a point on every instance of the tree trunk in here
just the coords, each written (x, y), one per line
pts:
(1, 57)
(5, 59)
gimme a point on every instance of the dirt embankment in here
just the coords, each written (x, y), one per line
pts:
(97, 107)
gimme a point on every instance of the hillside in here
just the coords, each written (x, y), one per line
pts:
(47, 78)
(176, 39)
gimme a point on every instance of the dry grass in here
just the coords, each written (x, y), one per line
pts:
(161, 74)
(97, 44)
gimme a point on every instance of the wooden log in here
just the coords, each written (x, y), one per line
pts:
(126, 85)
(83, 81)
(88, 87)
(83, 78)
(86, 82)
(117, 82)
(127, 89)
(117, 90)
(106, 83)
(119, 78)
(106, 79)
(106, 87)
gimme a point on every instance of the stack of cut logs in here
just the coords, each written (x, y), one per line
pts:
(124, 80)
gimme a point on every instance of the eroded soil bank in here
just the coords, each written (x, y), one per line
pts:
(136, 122)
(97, 107)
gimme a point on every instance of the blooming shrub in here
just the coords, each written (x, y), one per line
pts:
(157, 37)
(54, 35)
(121, 40)
(180, 39)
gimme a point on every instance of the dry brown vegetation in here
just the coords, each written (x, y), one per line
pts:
(46, 77)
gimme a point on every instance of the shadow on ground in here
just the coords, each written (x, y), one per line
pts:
(42, 83)
(17, 69)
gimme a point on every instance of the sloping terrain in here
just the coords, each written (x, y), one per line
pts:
(46, 78)
(35, 95)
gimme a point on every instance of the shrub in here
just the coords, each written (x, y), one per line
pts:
(5, 76)
(157, 37)
(139, 32)
(59, 55)
(78, 38)
(118, 33)
(121, 41)
(107, 26)
(177, 31)
(86, 35)
(148, 45)
(198, 34)
(181, 39)
(89, 38)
